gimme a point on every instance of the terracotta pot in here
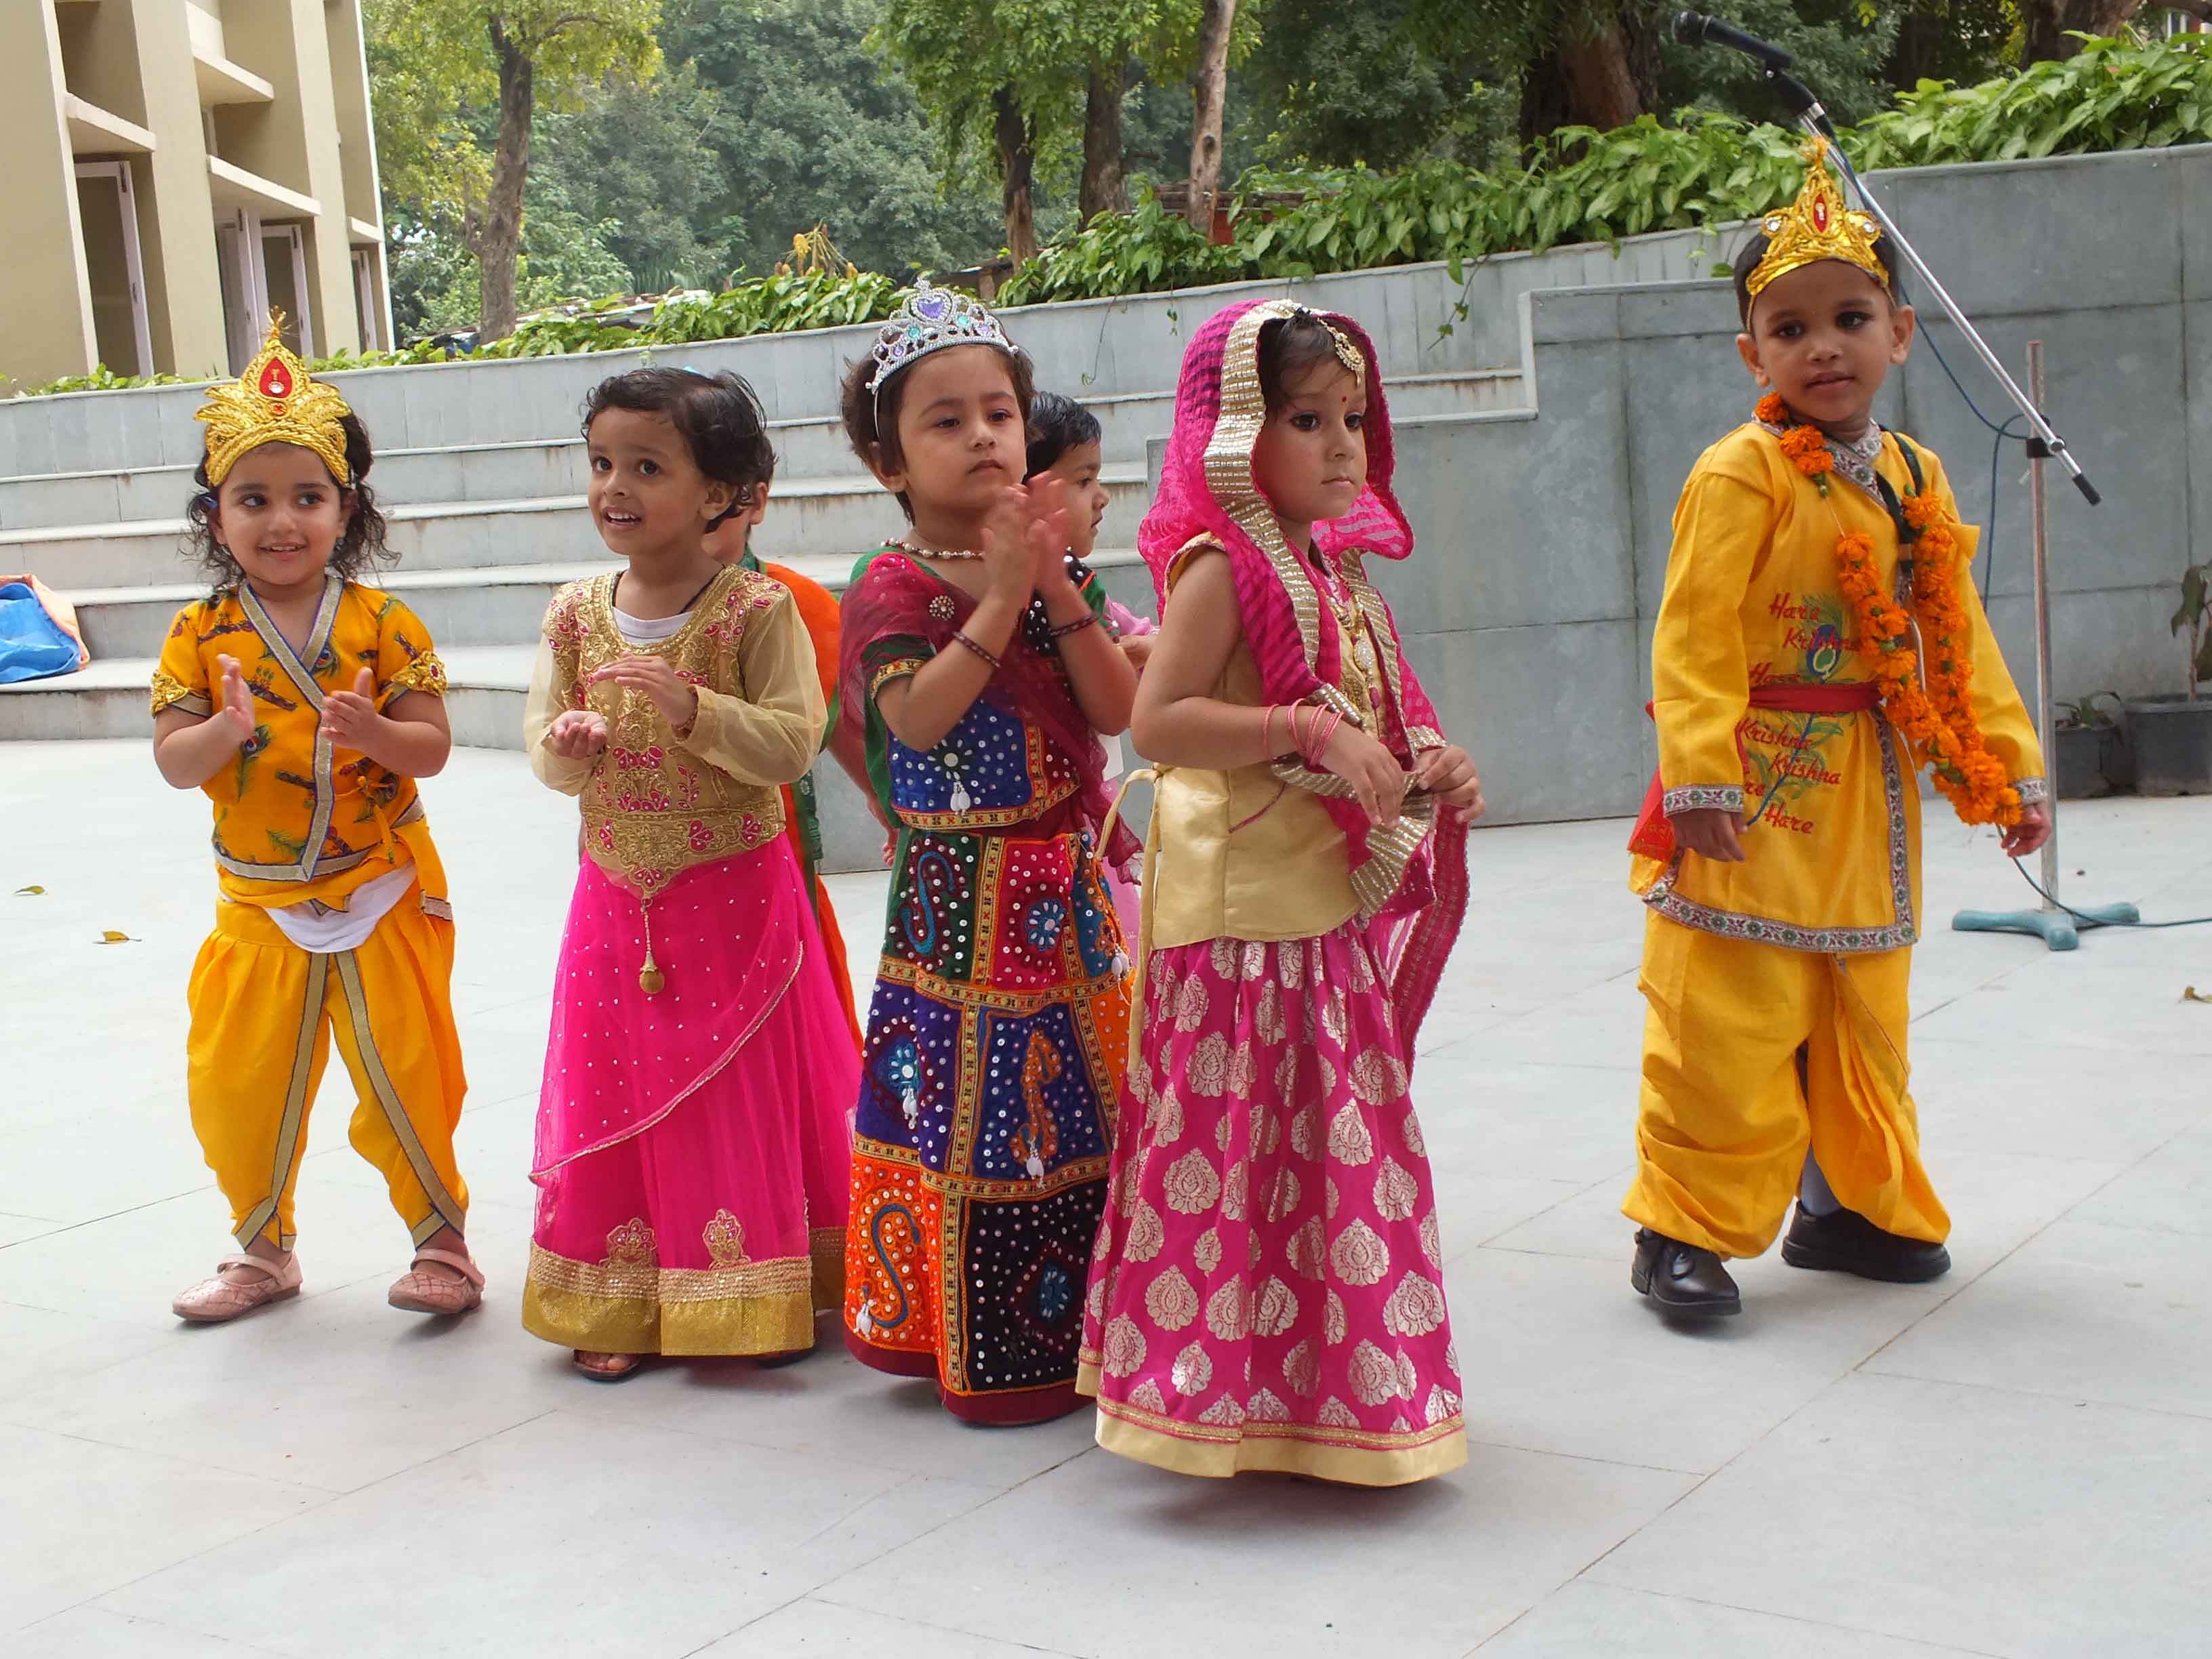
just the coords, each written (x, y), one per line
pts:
(2171, 738)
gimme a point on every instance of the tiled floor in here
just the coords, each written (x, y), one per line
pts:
(2017, 1461)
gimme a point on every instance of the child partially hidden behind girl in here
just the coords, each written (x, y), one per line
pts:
(306, 705)
(1268, 1288)
(692, 1139)
(995, 1035)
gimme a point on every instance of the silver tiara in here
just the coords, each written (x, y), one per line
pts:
(929, 319)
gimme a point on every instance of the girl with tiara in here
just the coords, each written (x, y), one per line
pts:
(983, 672)
(306, 705)
(692, 1136)
(1267, 1291)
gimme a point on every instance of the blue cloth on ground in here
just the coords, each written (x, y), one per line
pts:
(32, 643)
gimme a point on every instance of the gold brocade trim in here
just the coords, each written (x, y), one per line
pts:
(595, 1324)
(783, 1275)
(442, 1203)
(962, 994)
(167, 691)
(1077, 1173)
(300, 671)
(903, 668)
(290, 869)
(425, 673)
(286, 1151)
(1347, 1455)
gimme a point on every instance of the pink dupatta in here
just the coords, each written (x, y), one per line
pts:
(1411, 879)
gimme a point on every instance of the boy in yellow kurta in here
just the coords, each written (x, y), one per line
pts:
(1819, 640)
(305, 706)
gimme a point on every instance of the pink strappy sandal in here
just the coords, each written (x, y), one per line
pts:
(215, 1301)
(417, 1291)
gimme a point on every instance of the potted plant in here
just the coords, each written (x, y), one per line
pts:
(2173, 735)
(2089, 758)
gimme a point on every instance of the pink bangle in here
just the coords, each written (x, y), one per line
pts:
(1267, 734)
(960, 638)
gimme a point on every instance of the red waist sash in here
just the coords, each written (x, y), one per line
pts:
(1654, 837)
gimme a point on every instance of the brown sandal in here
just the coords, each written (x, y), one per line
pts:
(609, 1367)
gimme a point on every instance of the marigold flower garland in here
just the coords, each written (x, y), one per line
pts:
(1937, 720)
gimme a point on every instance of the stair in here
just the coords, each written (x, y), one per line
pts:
(486, 531)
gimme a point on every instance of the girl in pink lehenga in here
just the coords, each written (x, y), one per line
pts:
(1267, 1292)
(693, 1131)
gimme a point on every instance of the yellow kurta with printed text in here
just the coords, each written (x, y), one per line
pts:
(1833, 851)
(296, 817)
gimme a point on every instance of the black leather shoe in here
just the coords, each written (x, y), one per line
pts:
(1681, 1279)
(1846, 1242)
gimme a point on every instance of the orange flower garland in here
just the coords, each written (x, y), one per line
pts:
(1937, 720)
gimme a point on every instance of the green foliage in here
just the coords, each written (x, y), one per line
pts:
(1840, 46)
(2193, 622)
(808, 129)
(1583, 186)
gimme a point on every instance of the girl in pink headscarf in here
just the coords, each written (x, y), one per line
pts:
(1267, 1292)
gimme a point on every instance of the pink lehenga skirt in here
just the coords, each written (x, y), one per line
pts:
(1267, 1288)
(693, 1145)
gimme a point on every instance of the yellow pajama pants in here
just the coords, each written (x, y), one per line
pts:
(1728, 1107)
(263, 1011)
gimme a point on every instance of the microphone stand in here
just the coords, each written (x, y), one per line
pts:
(2053, 921)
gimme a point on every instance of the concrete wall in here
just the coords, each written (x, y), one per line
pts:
(1094, 348)
(46, 324)
(1544, 536)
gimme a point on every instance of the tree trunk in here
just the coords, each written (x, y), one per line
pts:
(1209, 89)
(1105, 186)
(1602, 72)
(1017, 174)
(2047, 23)
(496, 235)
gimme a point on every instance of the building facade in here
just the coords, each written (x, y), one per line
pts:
(179, 167)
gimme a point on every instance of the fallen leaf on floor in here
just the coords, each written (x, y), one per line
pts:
(2191, 993)
(109, 936)
(33, 890)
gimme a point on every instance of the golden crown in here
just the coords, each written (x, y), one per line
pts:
(275, 401)
(1817, 226)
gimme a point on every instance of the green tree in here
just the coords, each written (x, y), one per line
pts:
(460, 55)
(809, 129)
(1842, 48)
(641, 161)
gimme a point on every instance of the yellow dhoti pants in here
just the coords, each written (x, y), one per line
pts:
(263, 1011)
(1729, 1107)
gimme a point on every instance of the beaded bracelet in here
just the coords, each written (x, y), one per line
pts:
(1090, 620)
(960, 638)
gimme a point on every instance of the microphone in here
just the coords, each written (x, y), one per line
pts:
(1694, 28)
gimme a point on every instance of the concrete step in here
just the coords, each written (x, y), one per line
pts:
(554, 466)
(485, 621)
(806, 517)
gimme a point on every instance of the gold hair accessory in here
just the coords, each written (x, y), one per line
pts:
(1817, 226)
(1346, 353)
(275, 401)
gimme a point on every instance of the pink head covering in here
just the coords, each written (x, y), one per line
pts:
(1411, 877)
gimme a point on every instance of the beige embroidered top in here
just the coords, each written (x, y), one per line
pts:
(656, 804)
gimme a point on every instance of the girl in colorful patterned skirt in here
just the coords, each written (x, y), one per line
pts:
(998, 1027)
(691, 1135)
(1267, 1292)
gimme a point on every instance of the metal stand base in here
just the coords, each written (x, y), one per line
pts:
(2059, 929)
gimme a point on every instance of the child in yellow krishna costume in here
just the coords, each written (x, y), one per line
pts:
(1820, 642)
(306, 706)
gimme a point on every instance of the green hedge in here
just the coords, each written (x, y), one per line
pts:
(1584, 186)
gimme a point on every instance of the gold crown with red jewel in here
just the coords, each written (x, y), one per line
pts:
(1817, 226)
(275, 401)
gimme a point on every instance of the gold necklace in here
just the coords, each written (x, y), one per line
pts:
(949, 554)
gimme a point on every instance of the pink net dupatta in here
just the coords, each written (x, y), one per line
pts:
(897, 615)
(1410, 879)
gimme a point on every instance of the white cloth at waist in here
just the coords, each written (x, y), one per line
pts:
(317, 927)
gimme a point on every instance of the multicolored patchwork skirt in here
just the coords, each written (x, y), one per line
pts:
(995, 1047)
(1268, 1286)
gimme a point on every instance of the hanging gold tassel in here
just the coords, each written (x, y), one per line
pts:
(650, 979)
